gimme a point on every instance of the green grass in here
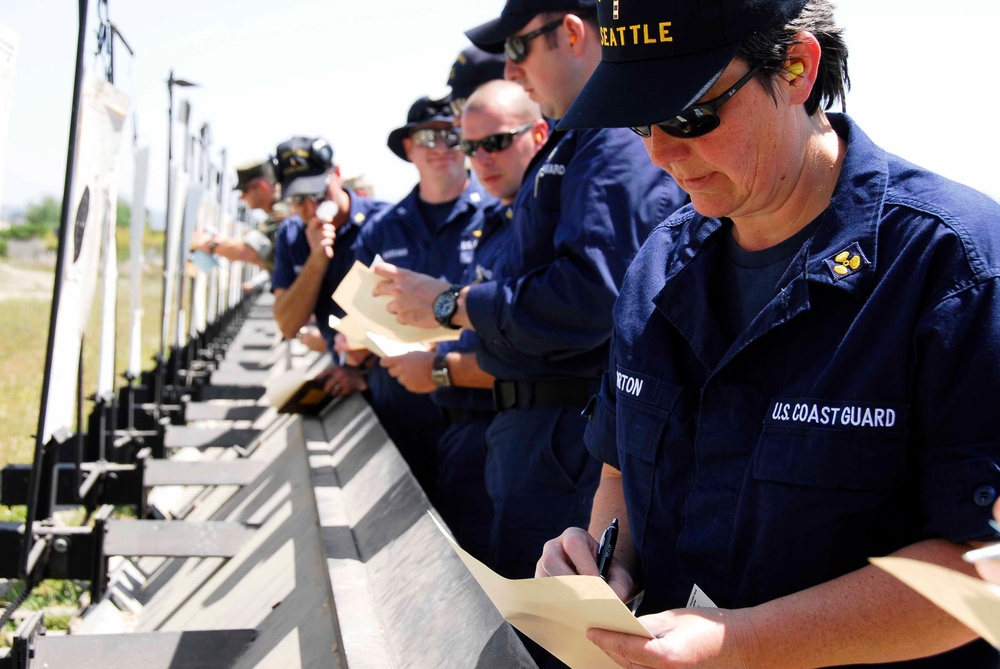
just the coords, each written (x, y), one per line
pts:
(13, 514)
(24, 337)
(58, 595)
(50, 592)
(24, 333)
(22, 357)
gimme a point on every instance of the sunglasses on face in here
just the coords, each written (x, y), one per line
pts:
(431, 137)
(493, 143)
(699, 119)
(516, 46)
(299, 200)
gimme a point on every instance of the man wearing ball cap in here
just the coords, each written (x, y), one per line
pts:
(256, 184)
(313, 247)
(587, 201)
(433, 230)
(804, 362)
(473, 68)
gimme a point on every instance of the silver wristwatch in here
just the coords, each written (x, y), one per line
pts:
(439, 373)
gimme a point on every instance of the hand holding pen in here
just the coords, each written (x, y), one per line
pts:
(573, 552)
(606, 550)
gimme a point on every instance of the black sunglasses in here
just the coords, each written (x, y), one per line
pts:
(696, 120)
(516, 46)
(430, 137)
(493, 143)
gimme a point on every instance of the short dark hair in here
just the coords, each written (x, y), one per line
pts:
(768, 48)
(587, 15)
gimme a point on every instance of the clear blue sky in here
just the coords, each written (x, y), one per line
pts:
(922, 75)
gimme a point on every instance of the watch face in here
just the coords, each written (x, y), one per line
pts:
(441, 377)
(444, 307)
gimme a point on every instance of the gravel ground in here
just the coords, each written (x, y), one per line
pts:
(25, 284)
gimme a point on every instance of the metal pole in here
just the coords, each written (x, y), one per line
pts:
(164, 329)
(64, 222)
(161, 370)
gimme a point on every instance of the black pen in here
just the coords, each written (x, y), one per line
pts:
(607, 549)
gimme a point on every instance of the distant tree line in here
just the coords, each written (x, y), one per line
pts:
(41, 221)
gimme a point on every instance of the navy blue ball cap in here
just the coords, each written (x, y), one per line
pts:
(473, 68)
(302, 164)
(515, 15)
(424, 111)
(659, 57)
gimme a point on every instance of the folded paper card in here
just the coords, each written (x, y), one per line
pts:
(354, 295)
(358, 338)
(354, 332)
(556, 612)
(298, 391)
(387, 347)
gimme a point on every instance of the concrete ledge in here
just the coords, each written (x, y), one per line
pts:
(224, 411)
(156, 650)
(403, 597)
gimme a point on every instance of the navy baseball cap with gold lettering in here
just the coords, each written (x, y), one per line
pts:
(659, 57)
(302, 165)
(515, 15)
(473, 68)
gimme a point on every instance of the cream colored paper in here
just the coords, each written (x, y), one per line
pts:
(355, 333)
(279, 389)
(974, 602)
(387, 347)
(556, 612)
(354, 295)
(359, 338)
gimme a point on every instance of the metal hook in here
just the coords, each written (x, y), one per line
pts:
(102, 10)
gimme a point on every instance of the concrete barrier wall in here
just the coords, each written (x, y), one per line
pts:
(276, 584)
(403, 597)
(345, 568)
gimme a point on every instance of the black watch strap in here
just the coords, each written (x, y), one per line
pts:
(446, 305)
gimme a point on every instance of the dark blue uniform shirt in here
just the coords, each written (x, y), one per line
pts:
(493, 244)
(292, 250)
(854, 416)
(401, 236)
(587, 203)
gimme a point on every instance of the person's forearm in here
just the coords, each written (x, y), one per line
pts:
(465, 371)
(293, 306)
(237, 250)
(866, 616)
(609, 503)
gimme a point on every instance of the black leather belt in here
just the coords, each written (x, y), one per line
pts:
(527, 394)
(454, 415)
